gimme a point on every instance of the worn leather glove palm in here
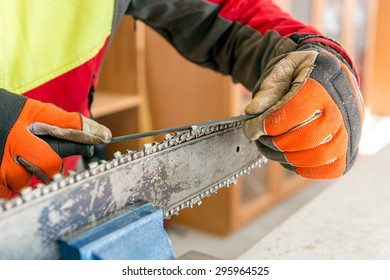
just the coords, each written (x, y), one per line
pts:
(310, 113)
(22, 154)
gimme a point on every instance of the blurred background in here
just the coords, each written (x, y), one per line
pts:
(146, 85)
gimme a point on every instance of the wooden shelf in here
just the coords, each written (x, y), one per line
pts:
(121, 99)
(144, 81)
(106, 103)
(190, 94)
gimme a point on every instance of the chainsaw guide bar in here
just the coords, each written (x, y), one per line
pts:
(172, 175)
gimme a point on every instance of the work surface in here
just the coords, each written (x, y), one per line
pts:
(348, 220)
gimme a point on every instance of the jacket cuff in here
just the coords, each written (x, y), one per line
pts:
(301, 39)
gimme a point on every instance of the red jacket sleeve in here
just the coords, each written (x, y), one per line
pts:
(262, 15)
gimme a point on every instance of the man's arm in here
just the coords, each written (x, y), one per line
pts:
(305, 86)
(232, 37)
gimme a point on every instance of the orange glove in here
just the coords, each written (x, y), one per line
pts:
(23, 154)
(310, 113)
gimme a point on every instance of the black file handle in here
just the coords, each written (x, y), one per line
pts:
(65, 148)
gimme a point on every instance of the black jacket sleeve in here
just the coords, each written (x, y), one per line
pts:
(237, 38)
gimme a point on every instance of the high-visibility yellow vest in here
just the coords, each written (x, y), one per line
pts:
(52, 50)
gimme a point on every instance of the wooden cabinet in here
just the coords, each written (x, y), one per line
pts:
(144, 81)
(377, 60)
(196, 94)
(183, 93)
(121, 99)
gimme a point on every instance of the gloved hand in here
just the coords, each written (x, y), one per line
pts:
(310, 113)
(23, 154)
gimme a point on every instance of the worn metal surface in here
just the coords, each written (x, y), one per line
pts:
(172, 175)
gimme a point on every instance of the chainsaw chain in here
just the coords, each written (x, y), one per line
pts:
(97, 168)
(197, 200)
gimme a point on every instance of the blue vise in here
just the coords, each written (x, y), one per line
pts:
(133, 233)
